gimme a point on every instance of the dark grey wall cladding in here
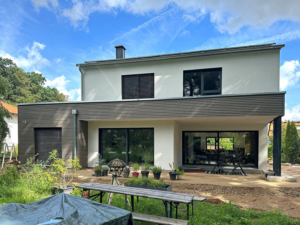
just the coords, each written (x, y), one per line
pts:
(59, 115)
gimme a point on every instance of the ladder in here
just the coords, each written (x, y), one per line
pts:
(9, 150)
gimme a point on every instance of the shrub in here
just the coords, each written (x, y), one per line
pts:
(146, 166)
(135, 167)
(157, 169)
(98, 168)
(145, 181)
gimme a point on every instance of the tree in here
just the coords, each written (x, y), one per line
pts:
(292, 143)
(27, 87)
(4, 130)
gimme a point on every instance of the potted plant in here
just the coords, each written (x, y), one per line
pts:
(173, 172)
(180, 173)
(148, 183)
(145, 169)
(156, 170)
(105, 170)
(126, 172)
(136, 168)
(59, 166)
(98, 171)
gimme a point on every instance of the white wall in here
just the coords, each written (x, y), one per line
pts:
(163, 138)
(13, 128)
(168, 137)
(242, 73)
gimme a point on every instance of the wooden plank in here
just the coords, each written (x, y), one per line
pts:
(141, 192)
(158, 219)
(199, 199)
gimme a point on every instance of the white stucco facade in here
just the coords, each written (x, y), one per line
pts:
(168, 135)
(242, 73)
(13, 129)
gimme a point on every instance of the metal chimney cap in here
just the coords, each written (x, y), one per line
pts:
(120, 46)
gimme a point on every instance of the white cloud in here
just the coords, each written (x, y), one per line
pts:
(38, 72)
(57, 60)
(293, 114)
(48, 4)
(61, 83)
(34, 60)
(227, 16)
(289, 74)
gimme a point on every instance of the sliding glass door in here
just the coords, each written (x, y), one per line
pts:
(200, 147)
(132, 145)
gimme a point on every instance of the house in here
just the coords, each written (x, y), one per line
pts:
(284, 123)
(190, 108)
(12, 124)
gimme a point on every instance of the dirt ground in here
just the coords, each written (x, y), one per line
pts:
(245, 191)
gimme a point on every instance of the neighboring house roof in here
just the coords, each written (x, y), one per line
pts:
(219, 51)
(270, 131)
(10, 108)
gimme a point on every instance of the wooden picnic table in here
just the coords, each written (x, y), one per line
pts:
(168, 198)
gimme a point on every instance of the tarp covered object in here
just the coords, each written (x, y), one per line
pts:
(64, 209)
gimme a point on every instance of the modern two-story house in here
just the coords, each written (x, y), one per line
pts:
(190, 108)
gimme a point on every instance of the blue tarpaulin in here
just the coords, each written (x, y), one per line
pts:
(64, 209)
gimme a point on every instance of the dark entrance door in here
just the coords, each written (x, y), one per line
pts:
(47, 140)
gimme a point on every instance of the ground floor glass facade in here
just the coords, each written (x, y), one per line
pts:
(209, 147)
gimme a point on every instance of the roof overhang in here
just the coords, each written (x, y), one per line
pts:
(219, 51)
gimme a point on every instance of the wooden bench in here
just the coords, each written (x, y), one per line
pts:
(158, 219)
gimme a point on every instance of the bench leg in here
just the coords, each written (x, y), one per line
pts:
(132, 203)
(192, 208)
(166, 207)
(125, 202)
(188, 211)
(171, 210)
(176, 210)
(89, 194)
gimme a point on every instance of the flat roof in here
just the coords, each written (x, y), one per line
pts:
(218, 51)
(155, 99)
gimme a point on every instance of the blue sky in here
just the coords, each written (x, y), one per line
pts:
(51, 36)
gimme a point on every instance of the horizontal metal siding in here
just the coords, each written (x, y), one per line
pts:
(59, 115)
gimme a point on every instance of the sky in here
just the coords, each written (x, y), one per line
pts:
(51, 36)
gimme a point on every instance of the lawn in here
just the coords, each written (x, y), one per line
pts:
(36, 184)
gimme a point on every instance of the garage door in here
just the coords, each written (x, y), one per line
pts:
(47, 140)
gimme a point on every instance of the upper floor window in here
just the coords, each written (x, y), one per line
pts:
(202, 82)
(138, 86)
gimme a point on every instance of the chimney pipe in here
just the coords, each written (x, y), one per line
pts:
(120, 51)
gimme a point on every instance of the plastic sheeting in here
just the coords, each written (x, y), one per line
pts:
(64, 209)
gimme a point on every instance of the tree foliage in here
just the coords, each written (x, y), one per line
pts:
(292, 148)
(4, 130)
(26, 87)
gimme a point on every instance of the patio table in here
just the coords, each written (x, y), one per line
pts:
(168, 198)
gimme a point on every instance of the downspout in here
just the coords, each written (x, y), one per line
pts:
(74, 112)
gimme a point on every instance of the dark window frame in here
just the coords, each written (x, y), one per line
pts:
(202, 91)
(139, 85)
(213, 131)
(100, 150)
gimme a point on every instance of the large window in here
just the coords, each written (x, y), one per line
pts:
(130, 145)
(138, 86)
(202, 82)
(208, 147)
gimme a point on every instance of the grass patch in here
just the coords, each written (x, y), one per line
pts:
(204, 213)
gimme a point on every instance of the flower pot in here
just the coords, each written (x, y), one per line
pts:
(105, 172)
(145, 173)
(98, 173)
(126, 174)
(172, 175)
(135, 174)
(179, 177)
(57, 190)
(156, 176)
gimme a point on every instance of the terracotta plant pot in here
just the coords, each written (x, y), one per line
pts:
(135, 174)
